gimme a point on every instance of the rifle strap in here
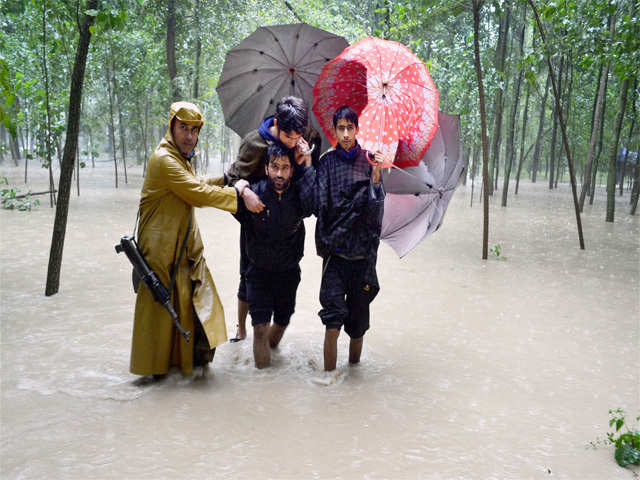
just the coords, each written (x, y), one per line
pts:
(135, 226)
(182, 249)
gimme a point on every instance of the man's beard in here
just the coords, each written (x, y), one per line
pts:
(283, 183)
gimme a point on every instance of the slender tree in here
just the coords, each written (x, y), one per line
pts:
(508, 161)
(45, 71)
(66, 171)
(501, 54)
(171, 48)
(477, 5)
(611, 176)
(556, 95)
(540, 136)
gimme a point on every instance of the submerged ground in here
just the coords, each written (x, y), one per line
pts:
(472, 369)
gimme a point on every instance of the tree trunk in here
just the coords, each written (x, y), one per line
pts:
(523, 136)
(633, 121)
(77, 170)
(635, 192)
(90, 149)
(501, 53)
(15, 149)
(45, 71)
(629, 137)
(171, 48)
(466, 151)
(474, 170)
(565, 140)
(597, 117)
(196, 75)
(144, 135)
(123, 139)
(536, 151)
(611, 178)
(112, 127)
(3, 141)
(477, 4)
(600, 141)
(73, 120)
(554, 135)
(508, 161)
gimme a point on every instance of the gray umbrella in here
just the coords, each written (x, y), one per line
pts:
(271, 63)
(417, 197)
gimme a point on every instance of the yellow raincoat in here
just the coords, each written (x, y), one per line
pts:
(169, 193)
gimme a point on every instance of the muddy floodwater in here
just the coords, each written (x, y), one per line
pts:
(472, 369)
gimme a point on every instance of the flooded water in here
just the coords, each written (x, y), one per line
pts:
(497, 369)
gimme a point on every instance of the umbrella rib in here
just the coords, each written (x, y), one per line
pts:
(395, 57)
(279, 44)
(409, 221)
(342, 82)
(318, 43)
(262, 52)
(305, 81)
(414, 176)
(419, 63)
(277, 71)
(295, 44)
(248, 99)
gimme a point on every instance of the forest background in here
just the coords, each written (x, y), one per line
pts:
(144, 54)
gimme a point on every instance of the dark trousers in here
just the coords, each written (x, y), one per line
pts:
(244, 264)
(271, 293)
(345, 296)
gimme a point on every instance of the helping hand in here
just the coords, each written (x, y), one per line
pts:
(252, 201)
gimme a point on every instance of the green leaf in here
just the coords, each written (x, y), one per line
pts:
(92, 12)
(627, 455)
(92, 28)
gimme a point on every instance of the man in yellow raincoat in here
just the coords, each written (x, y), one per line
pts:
(169, 193)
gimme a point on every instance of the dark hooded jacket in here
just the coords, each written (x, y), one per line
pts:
(274, 238)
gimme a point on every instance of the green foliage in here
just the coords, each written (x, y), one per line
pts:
(10, 202)
(497, 251)
(129, 38)
(627, 443)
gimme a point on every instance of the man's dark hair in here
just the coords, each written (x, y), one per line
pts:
(347, 113)
(276, 151)
(291, 114)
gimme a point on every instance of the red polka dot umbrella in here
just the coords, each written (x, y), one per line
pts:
(392, 92)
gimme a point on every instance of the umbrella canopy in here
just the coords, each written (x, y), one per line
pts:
(412, 209)
(271, 63)
(391, 91)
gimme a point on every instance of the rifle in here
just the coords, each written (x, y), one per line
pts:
(160, 294)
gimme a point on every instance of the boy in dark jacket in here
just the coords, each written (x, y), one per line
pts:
(274, 245)
(348, 200)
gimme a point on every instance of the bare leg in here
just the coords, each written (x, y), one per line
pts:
(355, 349)
(243, 310)
(331, 348)
(275, 334)
(261, 352)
